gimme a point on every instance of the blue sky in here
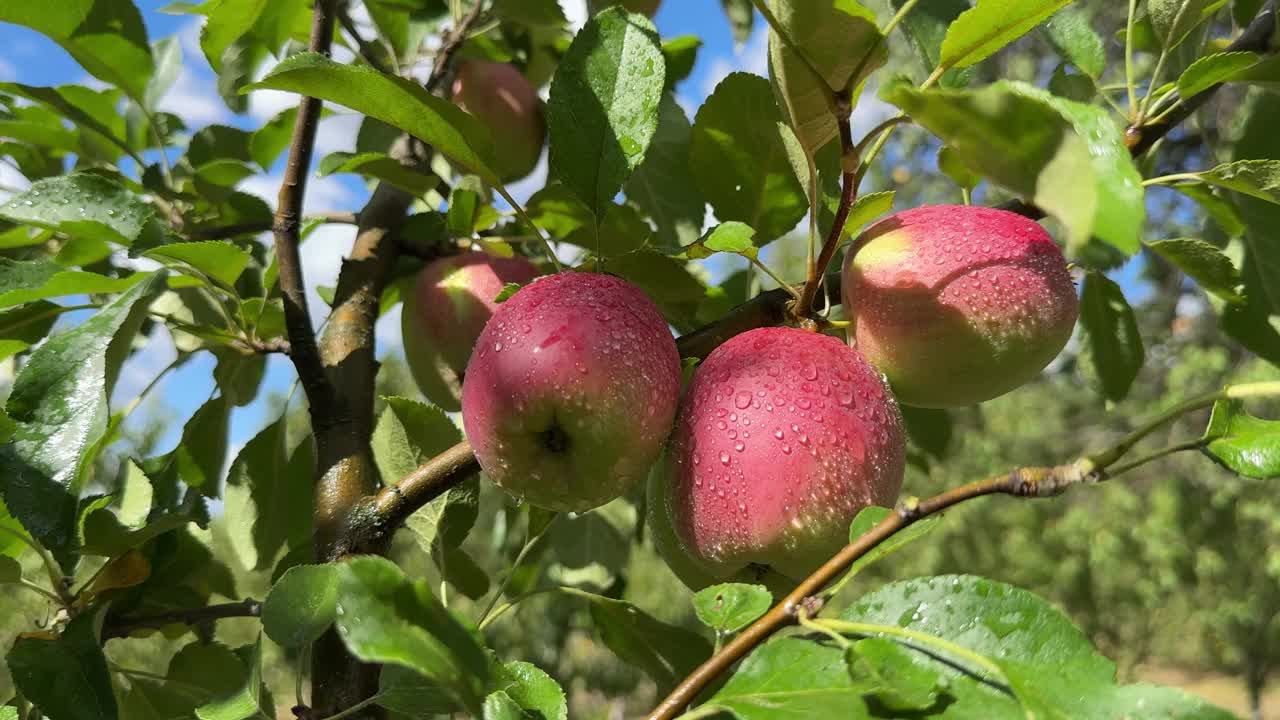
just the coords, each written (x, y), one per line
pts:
(30, 58)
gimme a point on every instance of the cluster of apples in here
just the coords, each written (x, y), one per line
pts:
(572, 386)
(570, 390)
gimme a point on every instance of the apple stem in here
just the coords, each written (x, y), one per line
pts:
(848, 193)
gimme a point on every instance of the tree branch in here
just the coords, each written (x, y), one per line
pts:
(395, 503)
(347, 472)
(118, 627)
(1256, 37)
(286, 226)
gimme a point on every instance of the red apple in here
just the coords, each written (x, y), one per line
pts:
(783, 436)
(508, 104)
(571, 391)
(451, 301)
(958, 304)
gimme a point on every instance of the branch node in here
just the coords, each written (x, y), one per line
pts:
(909, 508)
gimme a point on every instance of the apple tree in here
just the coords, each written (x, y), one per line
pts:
(712, 336)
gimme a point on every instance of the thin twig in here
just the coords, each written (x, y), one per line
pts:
(115, 627)
(286, 226)
(444, 58)
(848, 192)
(364, 48)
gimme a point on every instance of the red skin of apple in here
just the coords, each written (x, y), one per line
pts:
(571, 391)
(958, 304)
(451, 302)
(504, 100)
(783, 437)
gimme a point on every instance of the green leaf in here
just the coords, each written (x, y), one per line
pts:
(506, 292)
(1074, 39)
(589, 552)
(667, 653)
(603, 111)
(85, 205)
(929, 429)
(228, 21)
(984, 29)
(381, 167)
(26, 325)
(25, 281)
(532, 690)
(1256, 178)
(167, 56)
(926, 26)
(1202, 262)
(10, 570)
(662, 185)
(65, 677)
(106, 37)
(396, 101)
(301, 605)
(406, 691)
(1068, 158)
(792, 679)
(112, 533)
(1213, 69)
(533, 13)
(198, 459)
(221, 261)
(1048, 662)
(729, 237)
(385, 617)
(739, 160)
(246, 700)
(866, 208)
(93, 114)
(901, 684)
(263, 489)
(729, 607)
(1222, 211)
(1173, 20)
(871, 516)
(741, 18)
(1115, 347)
(953, 167)
(826, 46)
(500, 706)
(681, 53)
(59, 405)
(1243, 444)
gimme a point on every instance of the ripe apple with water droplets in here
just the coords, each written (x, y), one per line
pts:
(451, 301)
(783, 436)
(571, 390)
(504, 100)
(958, 304)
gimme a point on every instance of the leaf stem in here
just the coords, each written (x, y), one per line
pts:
(23, 582)
(353, 709)
(857, 628)
(501, 610)
(1128, 59)
(50, 564)
(781, 283)
(898, 17)
(1166, 179)
(529, 544)
(524, 217)
(1138, 462)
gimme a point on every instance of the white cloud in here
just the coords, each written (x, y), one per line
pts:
(194, 100)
